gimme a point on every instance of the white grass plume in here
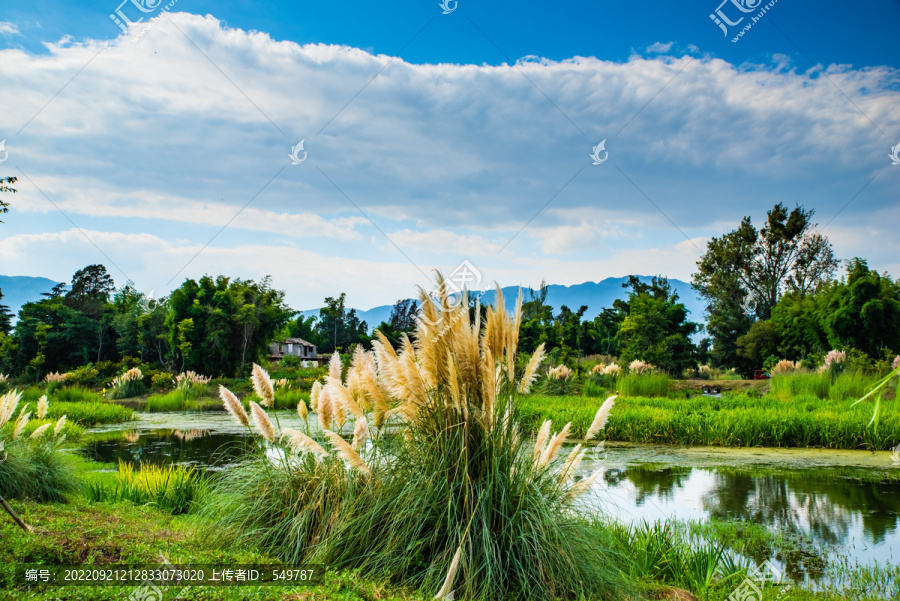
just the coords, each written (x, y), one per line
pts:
(314, 396)
(301, 410)
(554, 445)
(531, 370)
(42, 407)
(583, 486)
(334, 366)
(233, 406)
(20, 422)
(600, 419)
(59, 425)
(347, 453)
(262, 385)
(8, 403)
(301, 443)
(360, 434)
(542, 436)
(37, 433)
(446, 589)
(262, 422)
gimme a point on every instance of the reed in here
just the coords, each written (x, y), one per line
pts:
(643, 385)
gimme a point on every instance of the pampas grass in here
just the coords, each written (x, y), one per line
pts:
(600, 418)
(262, 422)
(42, 407)
(452, 485)
(262, 385)
(233, 406)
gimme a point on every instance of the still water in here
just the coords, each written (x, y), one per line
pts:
(847, 502)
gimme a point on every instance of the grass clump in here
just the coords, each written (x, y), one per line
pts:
(643, 385)
(171, 488)
(456, 499)
(177, 400)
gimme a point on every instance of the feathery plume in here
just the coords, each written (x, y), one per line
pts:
(531, 370)
(583, 486)
(262, 385)
(334, 366)
(555, 444)
(600, 419)
(301, 443)
(360, 433)
(446, 589)
(542, 436)
(233, 406)
(42, 407)
(262, 422)
(59, 425)
(341, 395)
(301, 410)
(37, 433)
(325, 409)
(347, 453)
(8, 403)
(314, 396)
(571, 462)
(20, 422)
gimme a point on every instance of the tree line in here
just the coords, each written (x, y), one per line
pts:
(770, 293)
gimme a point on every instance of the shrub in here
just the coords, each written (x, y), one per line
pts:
(161, 381)
(290, 362)
(84, 376)
(30, 465)
(458, 501)
(130, 384)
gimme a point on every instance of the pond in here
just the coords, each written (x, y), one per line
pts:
(845, 501)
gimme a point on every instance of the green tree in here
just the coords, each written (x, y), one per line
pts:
(4, 187)
(655, 328)
(337, 327)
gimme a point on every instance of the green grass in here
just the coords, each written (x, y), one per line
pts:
(846, 386)
(96, 533)
(173, 489)
(449, 483)
(90, 414)
(737, 420)
(650, 385)
(35, 470)
(177, 400)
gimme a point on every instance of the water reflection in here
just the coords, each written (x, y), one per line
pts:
(200, 447)
(856, 515)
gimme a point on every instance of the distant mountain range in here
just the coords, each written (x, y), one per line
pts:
(20, 289)
(596, 295)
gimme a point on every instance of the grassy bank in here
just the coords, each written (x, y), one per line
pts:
(737, 420)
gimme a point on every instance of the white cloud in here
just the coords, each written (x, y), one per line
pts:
(660, 47)
(450, 161)
(7, 28)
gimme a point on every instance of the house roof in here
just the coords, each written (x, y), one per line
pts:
(297, 341)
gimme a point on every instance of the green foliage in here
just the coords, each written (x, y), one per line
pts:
(90, 414)
(177, 400)
(848, 385)
(84, 376)
(173, 489)
(34, 470)
(161, 380)
(655, 328)
(737, 420)
(649, 385)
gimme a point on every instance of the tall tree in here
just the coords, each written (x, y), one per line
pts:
(403, 315)
(4, 187)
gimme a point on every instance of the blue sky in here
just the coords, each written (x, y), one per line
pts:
(432, 138)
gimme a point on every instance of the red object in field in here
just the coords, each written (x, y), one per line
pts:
(760, 374)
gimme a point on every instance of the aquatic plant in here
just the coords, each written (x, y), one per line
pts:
(171, 488)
